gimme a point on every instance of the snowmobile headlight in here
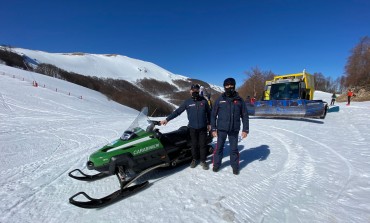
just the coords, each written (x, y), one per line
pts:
(90, 165)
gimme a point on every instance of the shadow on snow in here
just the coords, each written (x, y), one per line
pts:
(246, 156)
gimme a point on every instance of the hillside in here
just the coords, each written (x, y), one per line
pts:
(122, 79)
(102, 65)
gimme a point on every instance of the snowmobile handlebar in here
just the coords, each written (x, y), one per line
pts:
(155, 122)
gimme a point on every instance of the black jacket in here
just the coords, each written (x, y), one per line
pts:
(199, 112)
(227, 112)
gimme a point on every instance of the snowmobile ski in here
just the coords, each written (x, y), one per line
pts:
(86, 177)
(124, 192)
(114, 197)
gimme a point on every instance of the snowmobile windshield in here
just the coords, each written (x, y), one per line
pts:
(140, 124)
(281, 91)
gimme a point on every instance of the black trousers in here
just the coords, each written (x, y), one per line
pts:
(198, 143)
(218, 154)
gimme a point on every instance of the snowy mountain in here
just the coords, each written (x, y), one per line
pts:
(99, 65)
(301, 170)
(122, 79)
(104, 66)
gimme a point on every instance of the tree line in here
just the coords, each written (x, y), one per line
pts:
(357, 75)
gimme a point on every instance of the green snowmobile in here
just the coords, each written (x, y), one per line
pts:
(141, 148)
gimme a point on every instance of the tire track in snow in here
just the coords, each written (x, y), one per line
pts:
(348, 164)
(69, 108)
(277, 189)
(81, 146)
(36, 174)
(5, 104)
(27, 189)
(46, 187)
(38, 111)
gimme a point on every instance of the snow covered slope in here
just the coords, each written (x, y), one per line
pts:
(105, 66)
(291, 170)
(102, 65)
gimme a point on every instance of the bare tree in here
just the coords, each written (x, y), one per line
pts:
(320, 81)
(358, 64)
(49, 70)
(11, 58)
(254, 85)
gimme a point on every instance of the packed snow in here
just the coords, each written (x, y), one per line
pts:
(292, 170)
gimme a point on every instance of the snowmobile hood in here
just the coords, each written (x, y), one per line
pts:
(122, 144)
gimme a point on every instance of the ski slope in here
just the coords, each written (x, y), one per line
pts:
(302, 170)
(101, 65)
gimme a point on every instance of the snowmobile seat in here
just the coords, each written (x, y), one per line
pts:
(177, 138)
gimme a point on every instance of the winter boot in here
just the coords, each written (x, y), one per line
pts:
(215, 169)
(193, 163)
(236, 171)
(204, 165)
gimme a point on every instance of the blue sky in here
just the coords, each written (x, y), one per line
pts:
(203, 39)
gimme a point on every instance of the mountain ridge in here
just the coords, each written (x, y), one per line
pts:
(119, 77)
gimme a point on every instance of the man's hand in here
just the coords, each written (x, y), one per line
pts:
(208, 128)
(244, 135)
(214, 134)
(164, 122)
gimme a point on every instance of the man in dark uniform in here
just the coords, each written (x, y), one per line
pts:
(199, 115)
(227, 112)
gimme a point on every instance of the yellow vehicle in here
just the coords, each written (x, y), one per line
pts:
(290, 86)
(289, 95)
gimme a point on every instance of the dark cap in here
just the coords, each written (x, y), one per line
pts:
(195, 86)
(229, 81)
